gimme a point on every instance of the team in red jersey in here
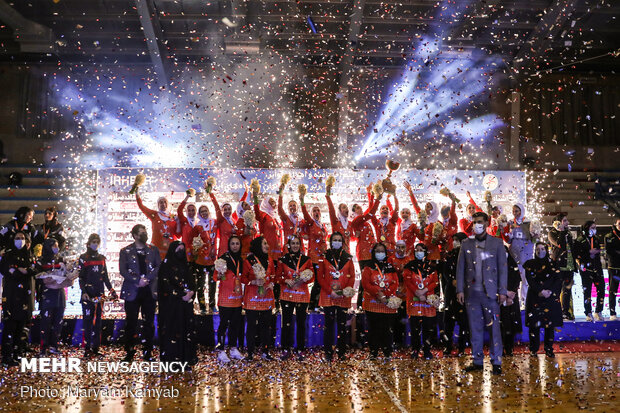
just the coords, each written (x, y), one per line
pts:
(274, 257)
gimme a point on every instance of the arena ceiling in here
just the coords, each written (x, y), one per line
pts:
(528, 34)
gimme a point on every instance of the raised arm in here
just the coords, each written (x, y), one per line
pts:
(414, 201)
(180, 213)
(394, 217)
(333, 219)
(471, 201)
(283, 217)
(454, 220)
(146, 211)
(216, 205)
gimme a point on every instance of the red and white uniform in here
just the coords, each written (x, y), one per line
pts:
(386, 230)
(246, 235)
(251, 299)
(340, 224)
(271, 229)
(335, 273)
(291, 225)
(290, 268)
(206, 229)
(399, 265)
(414, 275)
(317, 236)
(466, 224)
(230, 291)
(364, 233)
(443, 243)
(163, 227)
(374, 281)
(225, 226)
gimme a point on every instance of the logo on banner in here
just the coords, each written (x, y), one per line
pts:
(490, 182)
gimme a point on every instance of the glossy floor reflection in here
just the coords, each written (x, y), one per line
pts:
(572, 381)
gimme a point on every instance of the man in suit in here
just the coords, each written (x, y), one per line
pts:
(138, 265)
(481, 281)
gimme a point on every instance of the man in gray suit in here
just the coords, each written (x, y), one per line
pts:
(139, 264)
(481, 281)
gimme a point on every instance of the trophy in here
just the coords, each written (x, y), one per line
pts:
(387, 184)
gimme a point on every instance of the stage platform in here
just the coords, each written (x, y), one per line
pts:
(206, 326)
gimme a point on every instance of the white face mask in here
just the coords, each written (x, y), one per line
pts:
(592, 232)
(94, 247)
(478, 228)
(55, 250)
(336, 245)
(19, 243)
(419, 255)
(380, 256)
(542, 254)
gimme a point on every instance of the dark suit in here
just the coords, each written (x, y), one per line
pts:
(139, 299)
(481, 300)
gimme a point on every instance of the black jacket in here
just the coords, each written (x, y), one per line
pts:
(582, 247)
(540, 312)
(612, 246)
(560, 242)
(50, 229)
(93, 274)
(18, 288)
(8, 230)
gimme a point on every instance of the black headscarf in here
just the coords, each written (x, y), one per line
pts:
(292, 258)
(585, 229)
(257, 254)
(337, 257)
(233, 259)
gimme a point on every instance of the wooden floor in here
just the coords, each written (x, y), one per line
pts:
(572, 381)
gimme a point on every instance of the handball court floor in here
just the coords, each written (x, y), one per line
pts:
(583, 376)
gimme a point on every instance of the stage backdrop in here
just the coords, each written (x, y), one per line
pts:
(117, 211)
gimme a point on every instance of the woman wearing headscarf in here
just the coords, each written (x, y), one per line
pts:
(380, 282)
(453, 311)
(230, 299)
(50, 228)
(466, 224)
(294, 273)
(588, 251)
(339, 220)
(422, 282)
(521, 241)
(258, 276)
(21, 222)
(163, 224)
(93, 279)
(17, 267)
(542, 306)
(336, 275)
(175, 293)
(510, 311)
(52, 280)
(267, 218)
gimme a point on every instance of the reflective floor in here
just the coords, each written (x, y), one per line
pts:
(574, 380)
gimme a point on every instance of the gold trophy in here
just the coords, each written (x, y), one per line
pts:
(387, 184)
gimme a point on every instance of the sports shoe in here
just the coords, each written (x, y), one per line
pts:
(222, 357)
(497, 369)
(613, 318)
(474, 367)
(589, 317)
(235, 354)
(598, 317)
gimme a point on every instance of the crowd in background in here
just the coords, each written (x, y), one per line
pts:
(258, 259)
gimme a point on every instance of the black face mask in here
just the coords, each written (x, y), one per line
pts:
(143, 238)
(180, 254)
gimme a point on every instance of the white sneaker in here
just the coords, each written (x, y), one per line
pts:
(613, 318)
(589, 317)
(222, 357)
(598, 317)
(235, 355)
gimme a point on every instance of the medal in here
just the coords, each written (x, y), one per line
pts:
(421, 286)
(346, 234)
(382, 237)
(382, 284)
(336, 275)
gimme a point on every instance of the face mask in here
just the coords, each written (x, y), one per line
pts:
(143, 238)
(380, 256)
(55, 250)
(478, 228)
(419, 255)
(336, 245)
(180, 254)
(592, 232)
(19, 243)
(399, 255)
(542, 254)
(94, 247)
(456, 244)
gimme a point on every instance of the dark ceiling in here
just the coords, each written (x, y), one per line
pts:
(527, 35)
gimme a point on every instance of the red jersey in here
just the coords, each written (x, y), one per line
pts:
(246, 236)
(271, 229)
(335, 273)
(230, 291)
(251, 298)
(291, 225)
(443, 243)
(207, 231)
(338, 225)
(374, 281)
(225, 226)
(414, 275)
(163, 227)
(317, 236)
(289, 270)
(363, 232)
